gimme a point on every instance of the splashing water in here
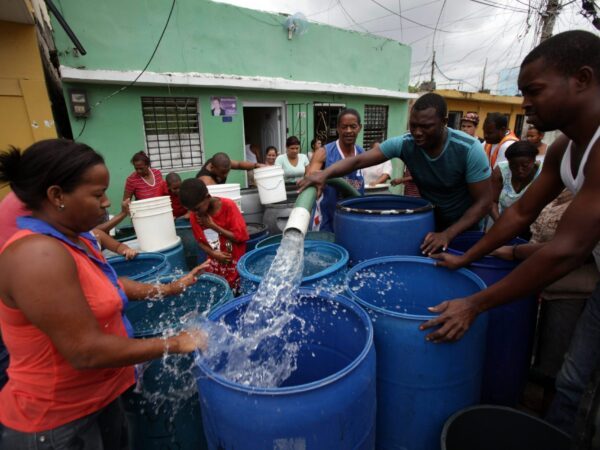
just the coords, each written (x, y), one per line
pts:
(258, 350)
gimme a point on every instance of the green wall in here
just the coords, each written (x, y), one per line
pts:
(209, 37)
(116, 128)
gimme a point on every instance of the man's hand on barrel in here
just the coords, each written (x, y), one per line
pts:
(449, 261)
(434, 242)
(455, 318)
(317, 179)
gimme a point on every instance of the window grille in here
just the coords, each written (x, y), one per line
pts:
(325, 121)
(375, 125)
(172, 132)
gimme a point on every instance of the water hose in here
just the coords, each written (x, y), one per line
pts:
(300, 216)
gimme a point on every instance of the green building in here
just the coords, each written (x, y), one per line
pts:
(272, 82)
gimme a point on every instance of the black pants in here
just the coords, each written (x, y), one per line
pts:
(103, 430)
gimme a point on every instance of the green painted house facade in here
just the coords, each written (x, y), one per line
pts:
(271, 86)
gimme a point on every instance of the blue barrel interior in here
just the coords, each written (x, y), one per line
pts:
(152, 317)
(369, 235)
(324, 265)
(419, 384)
(310, 236)
(167, 413)
(511, 329)
(143, 267)
(328, 402)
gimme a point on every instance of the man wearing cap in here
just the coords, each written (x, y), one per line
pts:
(468, 124)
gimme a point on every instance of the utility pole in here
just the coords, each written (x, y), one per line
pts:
(432, 80)
(483, 76)
(548, 18)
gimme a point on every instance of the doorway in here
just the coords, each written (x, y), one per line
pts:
(263, 126)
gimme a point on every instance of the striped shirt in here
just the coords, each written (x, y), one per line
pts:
(136, 185)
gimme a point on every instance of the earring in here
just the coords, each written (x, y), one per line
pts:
(61, 206)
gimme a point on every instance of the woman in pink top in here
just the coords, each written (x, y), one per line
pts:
(61, 307)
(145, 182)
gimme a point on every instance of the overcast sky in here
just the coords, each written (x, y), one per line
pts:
(468, 31)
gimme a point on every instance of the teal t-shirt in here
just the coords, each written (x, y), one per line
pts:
(292, 173)
(443, 180)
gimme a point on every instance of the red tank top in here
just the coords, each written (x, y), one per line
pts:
(44, 391)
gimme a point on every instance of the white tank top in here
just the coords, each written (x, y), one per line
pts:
(574, 184)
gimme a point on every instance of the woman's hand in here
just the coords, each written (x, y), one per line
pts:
(456, 316)
(397, 181)
(433, 242)
(180, 285)
(206, 222)
(125, 206)
(190, 340)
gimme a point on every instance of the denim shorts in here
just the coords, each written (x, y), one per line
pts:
(103, 430)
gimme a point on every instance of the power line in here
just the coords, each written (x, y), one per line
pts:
(500, 6)
(98, 103)
(406, 18)
(347, 14)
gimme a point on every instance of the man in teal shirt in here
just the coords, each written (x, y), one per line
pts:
(448, 166)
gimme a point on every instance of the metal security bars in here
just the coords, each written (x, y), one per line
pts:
(172, 132)
(375, 125)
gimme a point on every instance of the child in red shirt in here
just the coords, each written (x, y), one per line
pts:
(223, 216)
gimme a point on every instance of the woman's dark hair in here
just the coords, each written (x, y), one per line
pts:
(192, 192)
(314, 141)
(140, 156)
(521, 148)
(292, 140)
(269, 148)
(350, 111)
(52, 162)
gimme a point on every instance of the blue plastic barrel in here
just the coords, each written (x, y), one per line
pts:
(382, 225)
(325, 266)
(176, 257)
(191, 249)
(164, 410)
(124, 233)
(310, 236)
(510, 332)
(258, 232)
(144, 267)
(419, 384)
(327, 403)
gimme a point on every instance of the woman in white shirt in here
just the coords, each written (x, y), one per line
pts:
(292, 162)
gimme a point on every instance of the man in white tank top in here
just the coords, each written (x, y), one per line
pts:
(560, 82)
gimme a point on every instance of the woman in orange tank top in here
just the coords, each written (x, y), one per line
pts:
(61, 307)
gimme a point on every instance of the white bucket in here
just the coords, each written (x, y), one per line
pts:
(271, 184)
(153, 223)
(228, 190)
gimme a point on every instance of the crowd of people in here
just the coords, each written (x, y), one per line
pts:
(70, 345)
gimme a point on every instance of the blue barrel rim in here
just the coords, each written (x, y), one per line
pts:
(342, 262)
(518, 412)
(345, 205)
(304, 292)
(485, 261)
(169, 278)
(414, 259)
(261, 244)
(144, 255)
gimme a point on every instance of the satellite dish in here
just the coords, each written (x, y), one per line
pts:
(296, 24)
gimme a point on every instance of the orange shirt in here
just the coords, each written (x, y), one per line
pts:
(44, 391)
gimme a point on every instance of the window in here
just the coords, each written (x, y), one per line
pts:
(376, 124)
(454, 119)
(326, 121)
(172, 132)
